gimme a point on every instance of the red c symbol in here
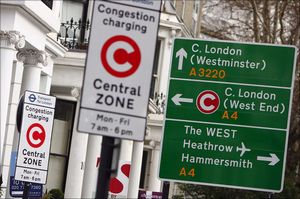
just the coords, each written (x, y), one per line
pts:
(120, 56)
(208, 102)
(35, 135)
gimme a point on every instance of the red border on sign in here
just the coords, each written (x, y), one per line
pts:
(133, 58)
(42, 136)
(208, 102)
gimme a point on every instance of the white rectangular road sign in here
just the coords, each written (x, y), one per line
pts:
(118, 70)
(150, 4)
(35, 138)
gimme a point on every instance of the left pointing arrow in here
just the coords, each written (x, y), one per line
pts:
(177, 99)
(273, 159)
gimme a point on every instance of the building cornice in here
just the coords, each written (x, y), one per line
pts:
(55, 48)
(73, 59)
(38, 10)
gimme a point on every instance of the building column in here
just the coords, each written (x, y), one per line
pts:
(126, 150)
(76, 165)
(45, 84)
(125, 155)
(135, 169)
(91, 169)
(46, 76)
(33, 61)
(92, 163)
(154, 182)
(9, 42)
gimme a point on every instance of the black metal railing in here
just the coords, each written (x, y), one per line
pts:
(73, 34)
(48, 3)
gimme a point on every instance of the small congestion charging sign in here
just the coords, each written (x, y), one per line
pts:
(35, 138)
(118, 71)
(208, 102)
(228, 113)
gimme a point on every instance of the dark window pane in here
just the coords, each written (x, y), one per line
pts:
(143, 171)
(75, 25)
(48, 3)
(155, 69)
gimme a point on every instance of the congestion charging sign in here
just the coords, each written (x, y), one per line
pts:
(228, 113)
(118, 69)
(35, 138)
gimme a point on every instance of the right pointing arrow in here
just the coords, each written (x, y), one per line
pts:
(177, 99)
(181, 53)
(273, 159)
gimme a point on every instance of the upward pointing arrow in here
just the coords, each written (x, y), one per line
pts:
(273, 159)
(181, 53)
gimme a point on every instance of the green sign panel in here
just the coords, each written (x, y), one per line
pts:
(227, 116)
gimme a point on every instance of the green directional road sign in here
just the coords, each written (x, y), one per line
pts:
(227, 116)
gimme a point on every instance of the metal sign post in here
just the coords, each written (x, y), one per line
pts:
(105, 167)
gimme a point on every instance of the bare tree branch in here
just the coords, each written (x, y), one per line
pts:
(255, 20)
(215, 34)
(275, 23)
(281, 15)
(266, 22)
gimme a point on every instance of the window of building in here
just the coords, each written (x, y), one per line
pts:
(73, 9)
(60, 144)
(144, 169)
(154, 81)
(48, 3)
(74, 24)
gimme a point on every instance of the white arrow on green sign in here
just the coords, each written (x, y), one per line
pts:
(177, 99)
(227, 115)
(181, 54)
(273, 159)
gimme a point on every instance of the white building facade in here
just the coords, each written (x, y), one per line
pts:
(43, 49)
